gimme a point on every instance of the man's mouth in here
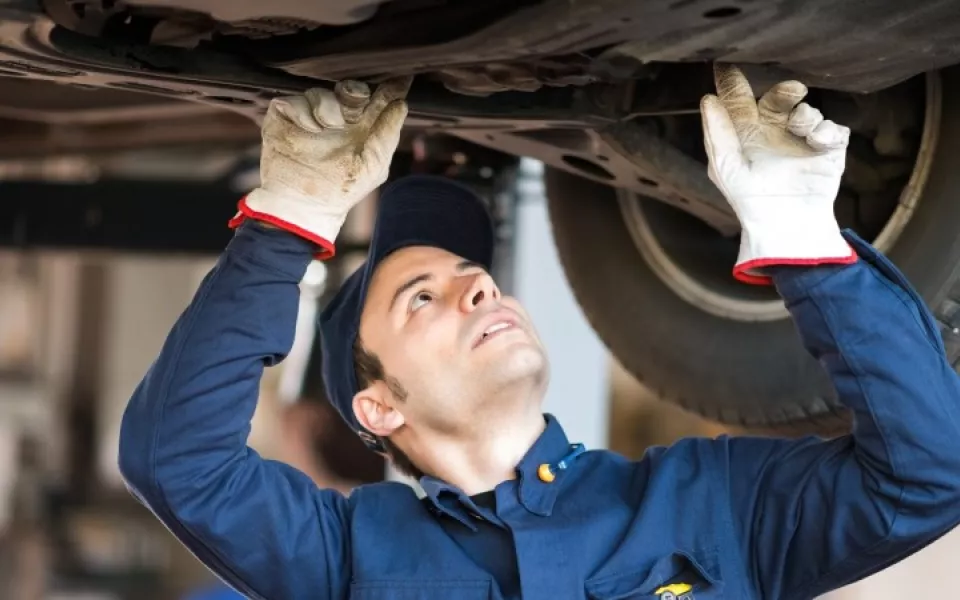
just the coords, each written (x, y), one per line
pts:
(493, 331)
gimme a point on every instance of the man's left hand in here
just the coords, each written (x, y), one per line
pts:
(779, 163)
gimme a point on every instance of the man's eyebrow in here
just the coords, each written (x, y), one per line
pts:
(406, 286)
(466, 265)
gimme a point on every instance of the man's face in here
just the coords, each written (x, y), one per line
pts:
(442, 330)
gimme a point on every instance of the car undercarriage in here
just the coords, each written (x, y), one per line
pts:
(604, 92)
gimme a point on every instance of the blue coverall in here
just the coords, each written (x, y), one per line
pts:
(736, 517)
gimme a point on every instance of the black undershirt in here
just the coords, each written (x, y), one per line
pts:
(487, 500)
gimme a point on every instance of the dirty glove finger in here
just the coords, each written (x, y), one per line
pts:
(777, 103)
(828, 136)
(735, 93)
(353, 96)
(386, 92)
(384, 136)
(804, 120)
(298, 111)
(720, 139)
(325, 108)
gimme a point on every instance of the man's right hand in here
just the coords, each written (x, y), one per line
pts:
(322, 154)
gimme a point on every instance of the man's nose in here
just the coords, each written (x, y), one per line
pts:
(480, 289)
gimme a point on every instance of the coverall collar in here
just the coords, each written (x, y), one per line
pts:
(534, 494)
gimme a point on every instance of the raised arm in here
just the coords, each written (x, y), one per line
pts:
(811, 516)
(261, 525)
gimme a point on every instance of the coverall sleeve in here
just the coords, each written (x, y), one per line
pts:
(813, 515)
(263, 526)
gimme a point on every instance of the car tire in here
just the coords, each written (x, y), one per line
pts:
(754, 375)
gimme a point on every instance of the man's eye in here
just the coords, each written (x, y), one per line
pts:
(420, 299)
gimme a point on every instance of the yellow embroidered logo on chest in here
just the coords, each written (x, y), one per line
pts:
(674, 591)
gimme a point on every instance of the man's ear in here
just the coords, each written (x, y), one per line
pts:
(373, 412)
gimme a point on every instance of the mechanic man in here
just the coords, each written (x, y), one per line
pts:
(430, 364)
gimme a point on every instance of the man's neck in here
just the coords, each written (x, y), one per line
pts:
(486, 457)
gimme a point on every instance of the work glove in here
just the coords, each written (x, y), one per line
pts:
(778, 162)
(323, 152)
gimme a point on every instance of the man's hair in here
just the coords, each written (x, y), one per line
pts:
(368, 370)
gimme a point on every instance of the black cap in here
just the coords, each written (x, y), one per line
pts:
(418, 210)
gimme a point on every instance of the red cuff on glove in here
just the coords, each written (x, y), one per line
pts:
(742, 272)
(326, 251)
